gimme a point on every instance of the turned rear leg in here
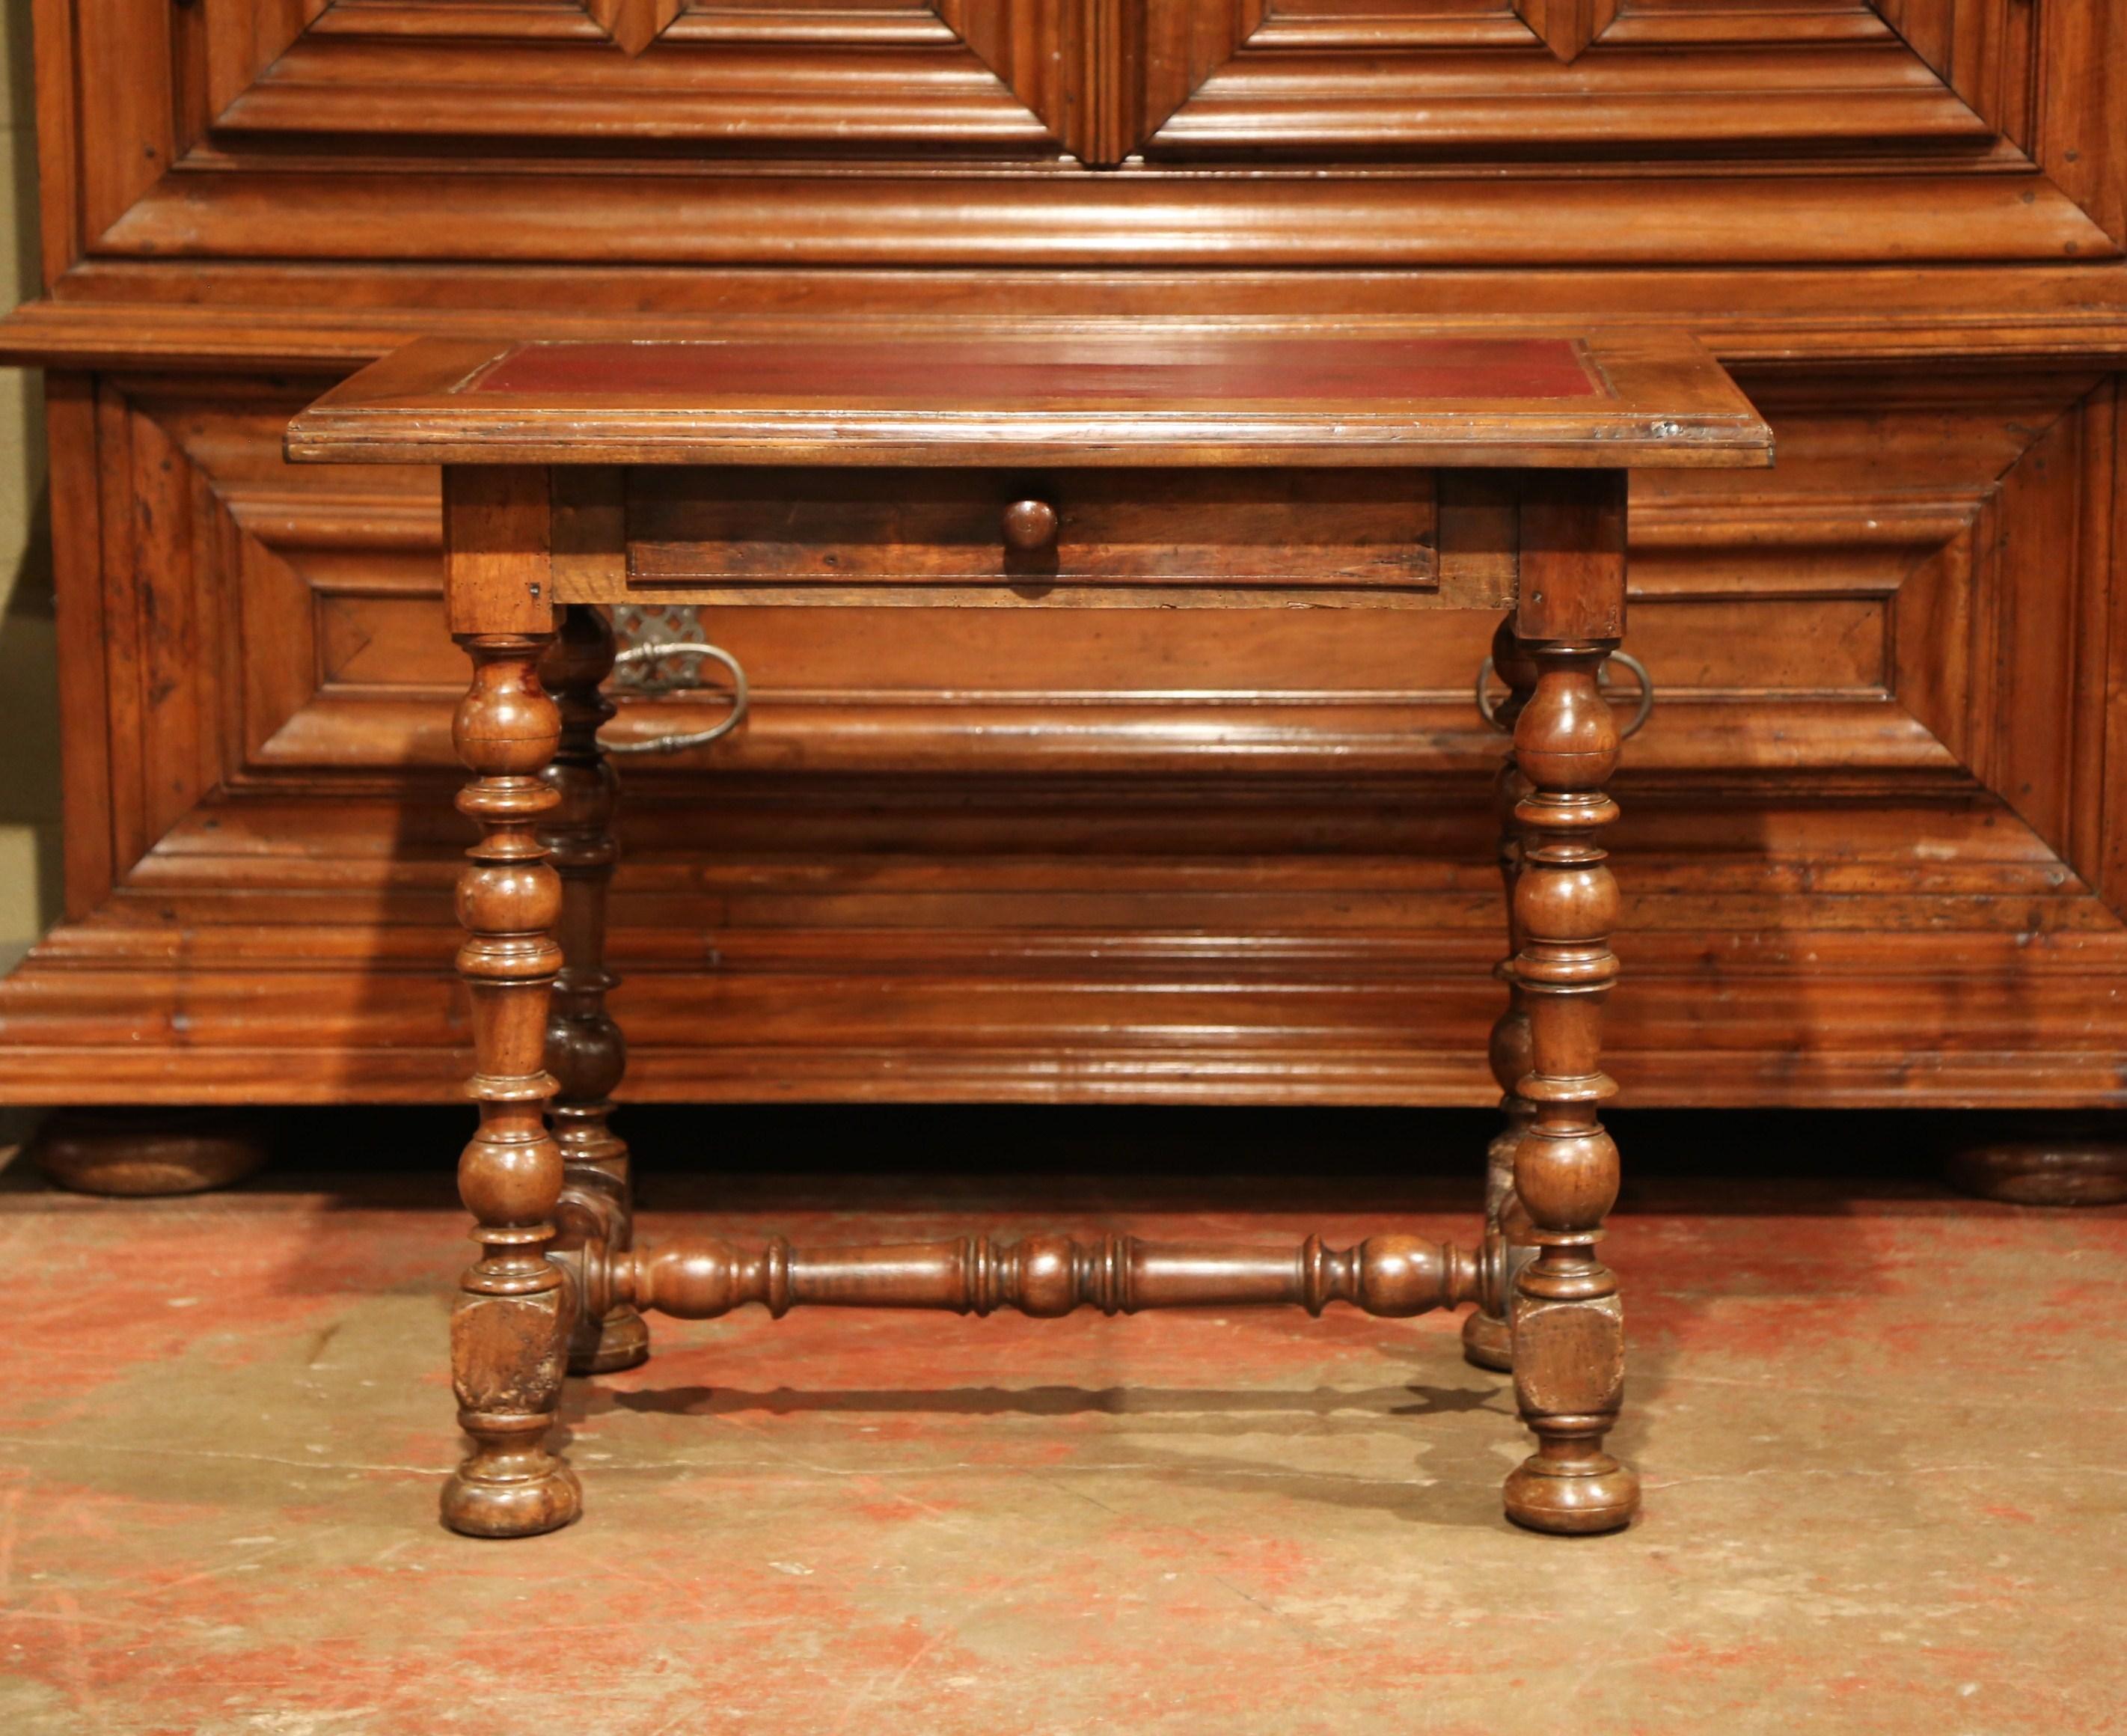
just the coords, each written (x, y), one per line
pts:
(585, 1050)
(1487, 1337)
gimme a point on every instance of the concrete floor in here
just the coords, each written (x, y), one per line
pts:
(1879, 1429)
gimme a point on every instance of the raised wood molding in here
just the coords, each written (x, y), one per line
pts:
(1934, 130)
(2000, 56)
(1568, 26)
(884, 85)
(1975, 481)
(1080, 219)
(1048, 53)
(256, 317)
(1893, 844)
(237, 45)
(1852, 995)
(634, 25)
(1897, 854)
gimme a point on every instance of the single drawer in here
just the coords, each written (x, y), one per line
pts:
(1370, 538)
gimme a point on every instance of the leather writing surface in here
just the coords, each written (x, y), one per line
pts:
(1066, 368)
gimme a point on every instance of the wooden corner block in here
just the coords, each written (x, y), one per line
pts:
(1568, 1356)
(498, 560)
(1572, 555)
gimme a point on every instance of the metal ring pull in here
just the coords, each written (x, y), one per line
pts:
(1488, 711)
(1486, 708)
(1645, 708)
(693, 738)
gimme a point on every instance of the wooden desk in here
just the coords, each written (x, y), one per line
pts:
(1084, 469)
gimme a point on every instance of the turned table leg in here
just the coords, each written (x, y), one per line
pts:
(508, 1330)
(584, 1049)
(1487, 1334)
(1568, 1347)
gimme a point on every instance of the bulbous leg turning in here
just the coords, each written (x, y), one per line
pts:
(509, 1329)
(1488, 1337)
(585, 1052)
(1569, 1328)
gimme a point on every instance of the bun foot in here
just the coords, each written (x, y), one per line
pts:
(1487, 1342)
(145, 1152)
(496, 1505)
(2066, 1163)
(1572, 1497)
(623, 1342)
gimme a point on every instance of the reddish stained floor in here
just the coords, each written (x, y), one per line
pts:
(1879, 1435)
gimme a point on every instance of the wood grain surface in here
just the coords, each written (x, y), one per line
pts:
(1167, 393)
(1872, 810)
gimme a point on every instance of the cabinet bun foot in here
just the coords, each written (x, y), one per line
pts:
(142, 1152)
(2071, 1165)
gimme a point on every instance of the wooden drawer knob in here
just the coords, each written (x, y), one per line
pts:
(1029, 526)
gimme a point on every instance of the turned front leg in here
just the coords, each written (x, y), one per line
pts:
(585, 1050)
(1487, 1333)
(509, 1331)
(1569, 1339)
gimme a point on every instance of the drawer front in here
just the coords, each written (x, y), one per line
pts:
(1079, 538)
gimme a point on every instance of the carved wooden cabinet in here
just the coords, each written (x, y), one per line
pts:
(1876, 843)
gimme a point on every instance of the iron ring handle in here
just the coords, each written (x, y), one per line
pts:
(693, 738)
(1488, 711)
(1486, 708)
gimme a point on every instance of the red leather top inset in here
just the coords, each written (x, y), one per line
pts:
(1139, 372)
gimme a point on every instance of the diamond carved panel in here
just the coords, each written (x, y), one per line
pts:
(856, 77)
(1567, 26)
(1027, 44)
(1969, 516)
(1396, 132)
(634, 24)
(1890, 85)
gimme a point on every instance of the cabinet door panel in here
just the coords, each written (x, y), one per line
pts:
(1272, 132)
(1883, 604)
(1868, 852)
